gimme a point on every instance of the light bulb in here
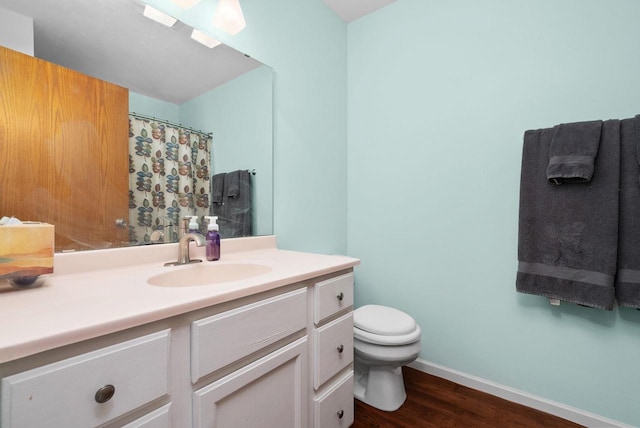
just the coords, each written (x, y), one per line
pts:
(228, 16)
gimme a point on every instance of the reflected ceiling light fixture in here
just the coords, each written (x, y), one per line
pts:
(186, 4)
(158, 16)
(228, 16)
(203, 38)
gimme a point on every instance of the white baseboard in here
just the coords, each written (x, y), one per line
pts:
(511, 394)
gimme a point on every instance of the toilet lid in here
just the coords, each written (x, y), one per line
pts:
(383, 320)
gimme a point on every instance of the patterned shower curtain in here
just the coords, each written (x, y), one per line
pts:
(168, 179)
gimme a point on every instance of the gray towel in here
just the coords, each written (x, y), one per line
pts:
(628, 277)
(573, 150)
(217, 188)
(235, 220)
(568, 235)
(232, 184)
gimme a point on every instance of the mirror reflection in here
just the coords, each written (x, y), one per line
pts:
(189, 100)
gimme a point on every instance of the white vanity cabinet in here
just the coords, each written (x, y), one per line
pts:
(281, 358)
(331, 330)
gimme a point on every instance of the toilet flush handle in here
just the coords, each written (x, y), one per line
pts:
(340, 296)
(340, 348)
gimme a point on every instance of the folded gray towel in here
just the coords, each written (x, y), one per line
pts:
(232, 184)
(573, 149)
(217, 188)
(568, 235)
(628, 277)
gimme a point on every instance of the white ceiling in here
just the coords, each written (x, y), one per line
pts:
(350, 10)
(113, 41)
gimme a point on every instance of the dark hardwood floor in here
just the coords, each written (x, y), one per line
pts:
(435, 402)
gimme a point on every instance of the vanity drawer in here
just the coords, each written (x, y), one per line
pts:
(75, 392)
(160, 418)
(333, 349)
(332, 296)
(222, 339)
(334, 409)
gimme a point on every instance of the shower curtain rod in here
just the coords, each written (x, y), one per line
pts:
(142, 116)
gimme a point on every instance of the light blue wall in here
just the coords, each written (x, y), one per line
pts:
(240, 115)
(440, 94)
(305, 44)
(149, 106)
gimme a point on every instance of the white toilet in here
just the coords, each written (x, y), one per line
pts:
(385, 339)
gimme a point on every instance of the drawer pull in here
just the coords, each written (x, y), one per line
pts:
(105, 393)
(340, 414)
(340, 348)
(340, 296)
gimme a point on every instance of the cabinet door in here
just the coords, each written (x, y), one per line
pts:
(270, 392)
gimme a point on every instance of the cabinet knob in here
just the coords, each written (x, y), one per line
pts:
(340, 296)
(121, 223)
(340, 414)
(105, 393)
(340, 348)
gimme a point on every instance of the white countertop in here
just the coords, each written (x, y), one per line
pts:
(99, 292)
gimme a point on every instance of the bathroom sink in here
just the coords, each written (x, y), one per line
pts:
(207, 274)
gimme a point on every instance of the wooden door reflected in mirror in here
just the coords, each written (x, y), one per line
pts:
(63, 151)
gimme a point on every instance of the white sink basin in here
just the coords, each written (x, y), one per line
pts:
(207, 274)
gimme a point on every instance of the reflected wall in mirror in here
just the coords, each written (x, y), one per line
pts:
(169, 76)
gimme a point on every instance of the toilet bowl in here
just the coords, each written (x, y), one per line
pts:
(385, 339)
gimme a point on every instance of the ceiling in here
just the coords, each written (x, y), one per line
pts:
(350, 10)
(113, 41)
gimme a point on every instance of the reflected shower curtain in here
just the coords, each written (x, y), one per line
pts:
(168, 179)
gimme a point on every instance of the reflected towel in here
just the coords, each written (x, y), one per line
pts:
(628, 277)
(232, 184)
(572, 152)
(217, 188)
(568, 235)
(236, 213)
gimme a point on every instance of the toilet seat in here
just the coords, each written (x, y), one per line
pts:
(382, 325)
(379, 339)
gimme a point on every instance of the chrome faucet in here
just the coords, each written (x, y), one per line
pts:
(183, 249)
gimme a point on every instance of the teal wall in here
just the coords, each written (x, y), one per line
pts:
(440, 94)
(153, 107)
(305, 44)
(240, 115)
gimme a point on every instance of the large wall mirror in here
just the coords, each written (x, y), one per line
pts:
(172, 80)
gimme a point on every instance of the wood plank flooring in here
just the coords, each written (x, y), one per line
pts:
(435, 402)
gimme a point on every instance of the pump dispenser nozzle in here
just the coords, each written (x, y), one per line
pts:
(212, 222)
(193, 223)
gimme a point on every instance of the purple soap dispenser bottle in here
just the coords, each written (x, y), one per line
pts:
(213, 239)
